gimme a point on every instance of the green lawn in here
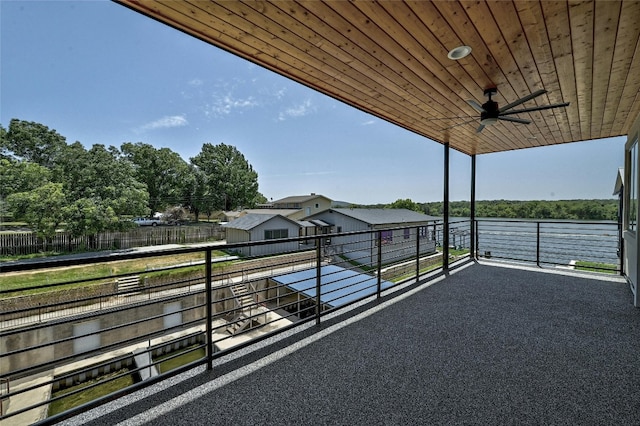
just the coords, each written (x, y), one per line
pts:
(606, 268)
(178, 361)
(99, 272)
(109, 386)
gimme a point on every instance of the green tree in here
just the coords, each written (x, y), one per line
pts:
(21, 176)
(104, 176)
(405, 204)
(163, 171)
(88, 217)
(194, 191)
(231, 180)
(34, 142)
(4, 144)
(260, 199)
(41, 208)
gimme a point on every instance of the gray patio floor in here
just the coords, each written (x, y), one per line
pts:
(487, 345)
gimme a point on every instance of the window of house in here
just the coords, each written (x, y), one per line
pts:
(386, 237)
(424, 233)
(317, 205)
(273, 234)
(339, 229)
(632, 192)
(407, 233)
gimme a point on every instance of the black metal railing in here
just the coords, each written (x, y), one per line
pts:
(572, 244)
(66, 338)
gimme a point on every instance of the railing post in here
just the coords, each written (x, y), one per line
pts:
(318, 278)
(538, 244)
(209, 310)
(477, 240)
(418, 253)
(473, 223)
(445, 212)
(379, 264)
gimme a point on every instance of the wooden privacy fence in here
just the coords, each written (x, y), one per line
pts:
(24, 243)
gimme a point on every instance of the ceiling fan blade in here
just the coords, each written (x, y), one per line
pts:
(515, 120)
(523, 100)
(476, 105)
(539, 108)
(448, 118)
(460, 124)
(480, 128)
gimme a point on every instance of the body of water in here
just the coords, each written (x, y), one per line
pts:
(556, 242)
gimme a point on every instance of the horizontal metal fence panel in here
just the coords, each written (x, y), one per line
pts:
(561, 243)
(26, 243)
(188, 318)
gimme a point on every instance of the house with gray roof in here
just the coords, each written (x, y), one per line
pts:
(400, 232)
(258, 227)
(305, 205)
(233, 215)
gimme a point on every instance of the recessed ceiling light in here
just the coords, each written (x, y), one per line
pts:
(459, 52)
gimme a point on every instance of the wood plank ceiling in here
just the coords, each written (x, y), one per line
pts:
(389, 58)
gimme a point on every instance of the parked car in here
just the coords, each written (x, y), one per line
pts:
(144, 221)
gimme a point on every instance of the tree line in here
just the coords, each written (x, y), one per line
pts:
(47, 182)
(606, 209)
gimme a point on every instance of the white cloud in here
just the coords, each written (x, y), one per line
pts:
(368, 123)
(166, 122)
(226, 104)
(279, 94)
(300, 110)
(195, 82)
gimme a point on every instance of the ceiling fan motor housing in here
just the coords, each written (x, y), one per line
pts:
(491, 110)
(490, 113)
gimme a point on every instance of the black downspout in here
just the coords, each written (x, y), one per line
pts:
(445, 212)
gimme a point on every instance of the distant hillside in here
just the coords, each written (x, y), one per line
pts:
(561, 209)
(540, 209)
(341, 204)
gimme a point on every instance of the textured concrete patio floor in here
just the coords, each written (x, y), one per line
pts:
(487, 345)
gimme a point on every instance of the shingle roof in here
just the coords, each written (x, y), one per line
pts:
(298, 198)
(249, 221)
(385, 216)
(281, 212)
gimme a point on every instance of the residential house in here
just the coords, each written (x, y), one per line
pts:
(258, 227)
(306, 205)
(233, 215)
(401, 230)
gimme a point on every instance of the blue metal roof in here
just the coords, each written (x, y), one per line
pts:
(339, 286)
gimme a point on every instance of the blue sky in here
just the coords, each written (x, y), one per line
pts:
(97, 72)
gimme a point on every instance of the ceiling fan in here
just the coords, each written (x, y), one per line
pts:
(490, 113)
